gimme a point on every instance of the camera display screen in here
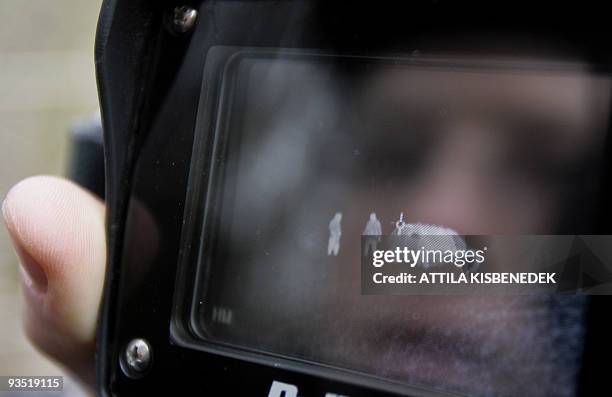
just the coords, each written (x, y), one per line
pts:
(312, 151)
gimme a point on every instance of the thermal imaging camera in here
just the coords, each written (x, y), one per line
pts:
(257, 151)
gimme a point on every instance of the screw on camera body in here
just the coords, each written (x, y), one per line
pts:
(183, 19)
(136, 358)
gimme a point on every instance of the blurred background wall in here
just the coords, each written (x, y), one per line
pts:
(46, 82)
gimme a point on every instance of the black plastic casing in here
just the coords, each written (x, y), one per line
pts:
(150, 85)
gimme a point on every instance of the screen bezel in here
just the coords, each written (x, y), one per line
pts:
(202, 216)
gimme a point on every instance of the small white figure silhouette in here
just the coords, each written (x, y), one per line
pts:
(399, 225)
(335, 231)
(372, 231)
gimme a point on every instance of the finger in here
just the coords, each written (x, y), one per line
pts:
(57, 229)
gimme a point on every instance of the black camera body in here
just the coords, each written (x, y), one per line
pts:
(167, 76)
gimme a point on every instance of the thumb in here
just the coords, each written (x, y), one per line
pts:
(57, 229)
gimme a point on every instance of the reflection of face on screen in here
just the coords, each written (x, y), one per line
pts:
(314, 148)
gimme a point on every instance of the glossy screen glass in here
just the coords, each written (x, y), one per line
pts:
(310, 147)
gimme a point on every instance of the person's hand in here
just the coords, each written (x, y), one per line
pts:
(57, 229)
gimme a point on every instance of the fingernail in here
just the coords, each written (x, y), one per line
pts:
(33, 275)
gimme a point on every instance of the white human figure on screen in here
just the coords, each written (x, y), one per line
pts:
(335, 231)
(400, 225)
(372, 233)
